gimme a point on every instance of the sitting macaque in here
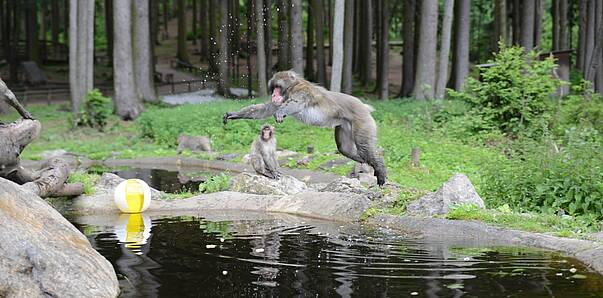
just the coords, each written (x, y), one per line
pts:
(263, 153)
(193, 143)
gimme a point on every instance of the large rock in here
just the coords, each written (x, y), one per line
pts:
(324, 205)
(255, 184)
(381, 198)
(457, 190)
(43, 255)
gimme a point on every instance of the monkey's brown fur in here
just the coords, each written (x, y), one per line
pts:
(355, 128)
(263, 153)
(193, 143)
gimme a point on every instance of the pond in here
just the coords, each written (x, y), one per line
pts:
(260, 255)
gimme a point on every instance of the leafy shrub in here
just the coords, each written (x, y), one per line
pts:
(215, 183)
(513, 92)
(579, 110)
(96, 110)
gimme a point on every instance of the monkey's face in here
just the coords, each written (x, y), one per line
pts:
(279, 83)
(266, 132)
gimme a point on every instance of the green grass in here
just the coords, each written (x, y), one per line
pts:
(87, 179)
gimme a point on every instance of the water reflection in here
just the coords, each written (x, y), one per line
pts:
(233, 254)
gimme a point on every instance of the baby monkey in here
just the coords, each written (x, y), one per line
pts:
(263, 153)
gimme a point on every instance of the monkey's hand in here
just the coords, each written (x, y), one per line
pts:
(228, 116)
(27, 115)
(279, 116)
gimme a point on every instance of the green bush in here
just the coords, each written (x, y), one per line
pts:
(512, 93)
(96, 110)
(215, 183)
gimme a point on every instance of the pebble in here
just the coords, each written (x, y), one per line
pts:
(414, 293)
(224, 272)
(210, 246)
(573, 270)
(259, 250)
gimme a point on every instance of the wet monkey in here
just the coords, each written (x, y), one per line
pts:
(263, 153)
(355, 128)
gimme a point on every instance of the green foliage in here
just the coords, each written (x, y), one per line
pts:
(88, 180)
(96, 110)
(576, 109)
(215, 184)
(512, 93)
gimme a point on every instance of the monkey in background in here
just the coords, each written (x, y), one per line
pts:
(355, 128)
(263, 153)
(193, 143)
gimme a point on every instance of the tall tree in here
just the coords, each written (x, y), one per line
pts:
(143, 57)
(182, 53)
(460, 60)
(538, 13)
(517, 22)
(194, 21)
(590, 36)
(250, 20)
(598, 51)
(444, 49)
(528, 14)
(383, 61)
(128, 105)
(408, 50)
(310, 73)
(223, 79)
(203, 27)
(81, 51)
(283, 35)
(268, 36)
(109, 29)
(564, 28)
(261, 55)
(31, 31)
(425, 76)
(55, 24)
(365, 41)
(583, 17)
(337, 45)
(348, 47)
(500, 21)
(297, 43)
(318, 18)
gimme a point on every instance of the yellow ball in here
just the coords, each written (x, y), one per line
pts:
(132, 196)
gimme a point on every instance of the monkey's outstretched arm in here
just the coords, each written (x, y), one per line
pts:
(9, 97)
(259, 111)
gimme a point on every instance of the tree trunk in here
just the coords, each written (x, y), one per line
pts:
(283, 35)
(598, 52)
(590, 36)
(224, 78)
(408, 51)
(182, 53)
(13, 37)
(249, 10)
(460, 61)
(166, 18)
(538, 12)
(55, 23)
(583, 23)
(128, 105)
(213, 37)
(527, 24)
(310, 73)
(500, 21)
(595, 57)
(425, 77)
(31, 32)
(517, 22)
(555, 6)
(268, 36)
(564, 28)
(348, 47)
(383, 67)
(81, 52)
(297, 43)
(203, 28)
(318, 18)
(194, 21)
(261, 55)
(109, 29)
(337, 45)
(444, 49)
(43, 31)
(365, 42)
(143, 57)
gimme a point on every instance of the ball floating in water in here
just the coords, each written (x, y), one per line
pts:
(132, 196)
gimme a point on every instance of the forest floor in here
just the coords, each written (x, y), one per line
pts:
(403, 124)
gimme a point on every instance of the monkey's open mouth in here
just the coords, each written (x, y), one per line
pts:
(277, 97)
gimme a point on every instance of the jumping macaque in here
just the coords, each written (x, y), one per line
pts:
(193, 143)
(263, 153)
(355, 128)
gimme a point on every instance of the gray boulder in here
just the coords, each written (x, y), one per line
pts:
(43, 255)
(255, 184)
(457, 190)
(324, 205)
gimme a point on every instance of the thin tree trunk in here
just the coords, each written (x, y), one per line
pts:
(408, 62)
(348, 48)
(337, 45)
(384, 50)
(598, 52)
(527, 24)
(143, 57)
(13, 37)
(583, 23)
(249, 9)
(310, 72)
(268, 36)
(444, 49)
(213, 37)
(43, 30)
(297, 44)
(564, 27)
(594, 60)
(555, 6)
(590, 36)
(500, 20)
(261, 55)
(365, 42)
(166, 17)
(128, 105)
(318, 18)
(330, 19)
(55, 23)
(81, 52)
(283, 35)
(203, 20)
(425, 77)
(194, 21)
(538, 12)
(31, 32)
(224, 78)
(460, 61)
(517, 22)
(182, 53)
(109, 30)
(235, 39)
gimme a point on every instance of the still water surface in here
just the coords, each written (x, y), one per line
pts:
(263, 255)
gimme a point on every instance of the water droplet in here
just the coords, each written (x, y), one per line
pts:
(210, 246)
(224, 272)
